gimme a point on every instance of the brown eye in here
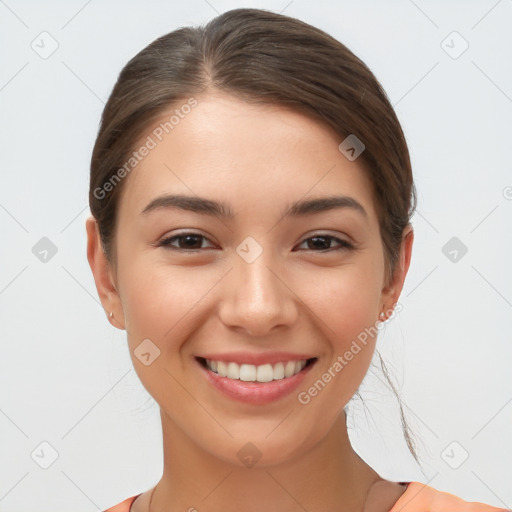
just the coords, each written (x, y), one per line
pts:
(319, 243)
(185, 242)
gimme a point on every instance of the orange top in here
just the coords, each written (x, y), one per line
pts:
(417, 497)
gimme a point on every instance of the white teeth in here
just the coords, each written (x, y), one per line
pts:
(289, 369)
(247, 372)
(252, 373)
(233, 371)
(279, 371)
(265, 373)
(222, 368)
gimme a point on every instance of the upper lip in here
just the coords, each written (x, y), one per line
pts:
(256, 359)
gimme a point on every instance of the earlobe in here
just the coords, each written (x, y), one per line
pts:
(102, 274)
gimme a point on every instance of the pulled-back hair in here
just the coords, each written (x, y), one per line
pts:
(267, 58)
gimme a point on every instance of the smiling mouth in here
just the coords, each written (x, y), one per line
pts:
(256, 373)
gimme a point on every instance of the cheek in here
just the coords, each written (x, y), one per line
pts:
(157, 296)
(345, 308)
(165, 304)
(346, 300)
(160, 310)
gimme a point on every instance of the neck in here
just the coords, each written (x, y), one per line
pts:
(330, 476)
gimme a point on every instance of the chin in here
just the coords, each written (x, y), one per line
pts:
(260, 450)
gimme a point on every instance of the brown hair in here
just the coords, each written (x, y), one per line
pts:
(268, 58)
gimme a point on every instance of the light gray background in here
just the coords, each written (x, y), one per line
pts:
(65, 374)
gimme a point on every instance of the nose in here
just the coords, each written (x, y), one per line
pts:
(256, 297)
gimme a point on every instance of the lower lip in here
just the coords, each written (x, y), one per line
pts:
(257, 393)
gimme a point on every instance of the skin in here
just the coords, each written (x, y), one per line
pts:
(294, 297)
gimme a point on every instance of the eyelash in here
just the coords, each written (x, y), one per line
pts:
(166, 242)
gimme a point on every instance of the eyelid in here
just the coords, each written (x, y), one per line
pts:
(325, 233)
(343, 244)
(164, 242)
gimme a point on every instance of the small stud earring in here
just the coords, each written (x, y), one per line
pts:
(111, 315)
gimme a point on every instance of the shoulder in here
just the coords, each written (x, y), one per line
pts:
(420, 497)
(124, 506)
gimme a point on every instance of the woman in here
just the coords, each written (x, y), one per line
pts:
(251, 194)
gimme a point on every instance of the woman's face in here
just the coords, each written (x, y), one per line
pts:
(257, 286)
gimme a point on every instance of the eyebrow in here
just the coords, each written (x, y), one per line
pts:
(222, 210)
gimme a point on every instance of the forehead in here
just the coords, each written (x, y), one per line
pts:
(248, 155)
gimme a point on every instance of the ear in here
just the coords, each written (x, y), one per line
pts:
(102, 272)
(392, 291)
